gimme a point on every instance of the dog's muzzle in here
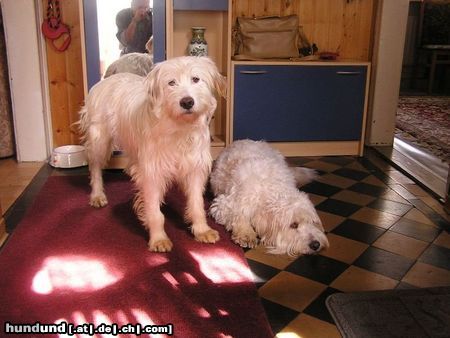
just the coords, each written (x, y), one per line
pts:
(187, 102)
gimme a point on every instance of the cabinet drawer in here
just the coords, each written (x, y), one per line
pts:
(298, 103)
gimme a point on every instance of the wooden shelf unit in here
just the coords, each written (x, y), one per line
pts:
(342, 26)
(180, 17)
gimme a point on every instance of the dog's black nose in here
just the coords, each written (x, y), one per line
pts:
(314, 245)
(187, 102)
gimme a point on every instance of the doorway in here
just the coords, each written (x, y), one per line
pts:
(109, 47)
(101, 42)
(422, 134)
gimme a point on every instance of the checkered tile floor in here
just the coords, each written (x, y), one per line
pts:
(385, 232)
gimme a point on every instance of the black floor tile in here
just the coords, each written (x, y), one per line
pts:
(318, 268)
(337, 207)
(279, 315)
(391, 207)
(339, 160)
(416, 230)
(356, 175)
(321, 189)
(382, 176)
(384, 263)
(261, 272)
(358, 231)
(298, 161)
(318, 307)
(368, 189)
(437, 256)
(366, 163)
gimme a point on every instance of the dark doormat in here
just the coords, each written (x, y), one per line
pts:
(392, 313)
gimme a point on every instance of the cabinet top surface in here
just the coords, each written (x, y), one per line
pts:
(302, 63)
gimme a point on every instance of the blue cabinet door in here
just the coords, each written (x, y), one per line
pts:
(298, 103)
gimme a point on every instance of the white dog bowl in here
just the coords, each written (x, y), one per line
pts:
(70, 156)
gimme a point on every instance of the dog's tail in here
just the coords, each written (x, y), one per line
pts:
(303, 175)
(79, 127)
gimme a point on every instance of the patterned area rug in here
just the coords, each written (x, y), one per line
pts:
(424, 121)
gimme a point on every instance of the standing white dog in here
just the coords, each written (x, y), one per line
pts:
(257, 196)
(161, 122)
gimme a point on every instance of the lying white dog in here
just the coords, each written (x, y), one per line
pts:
(161, 122)
(257, 196)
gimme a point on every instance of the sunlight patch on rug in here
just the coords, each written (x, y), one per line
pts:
(171, 279)
(221, 267)
(101, 318)
(74, 273)
(156, 260)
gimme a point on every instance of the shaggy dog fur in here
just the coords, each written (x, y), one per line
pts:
(257, 196)
(161, 122)
(136, 63)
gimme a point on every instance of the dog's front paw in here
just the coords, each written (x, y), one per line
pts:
(162, 245)
(209, 236)
(245, 239)
(98, 201)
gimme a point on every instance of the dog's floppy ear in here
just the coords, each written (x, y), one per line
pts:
(214, 79)
(220, 84)
(154, 89)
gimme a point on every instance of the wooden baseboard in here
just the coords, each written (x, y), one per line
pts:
(335, 148)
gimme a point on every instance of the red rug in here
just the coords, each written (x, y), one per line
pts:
(90, 270)
(425, 122)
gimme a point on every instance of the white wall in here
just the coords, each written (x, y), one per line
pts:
(386, 71)
(22, 42)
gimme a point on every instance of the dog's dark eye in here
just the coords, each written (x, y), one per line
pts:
(172, 83)
(294, 226)
(195, 79)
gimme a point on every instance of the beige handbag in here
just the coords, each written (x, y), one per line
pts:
(266, 37)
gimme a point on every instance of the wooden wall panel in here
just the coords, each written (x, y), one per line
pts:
(343, 26)
(65, 76)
